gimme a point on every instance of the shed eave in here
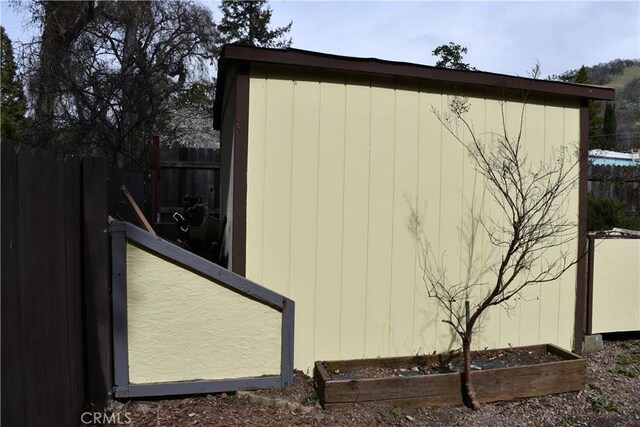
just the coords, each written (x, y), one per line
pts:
(372, 66)
(302, 58)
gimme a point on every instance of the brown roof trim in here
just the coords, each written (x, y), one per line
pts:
(302, 58)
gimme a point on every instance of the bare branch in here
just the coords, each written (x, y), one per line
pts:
(528, 234)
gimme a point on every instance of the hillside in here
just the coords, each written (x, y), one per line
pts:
(619, 81)
(624, 76)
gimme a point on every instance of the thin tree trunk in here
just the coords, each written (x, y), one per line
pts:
(469, 393)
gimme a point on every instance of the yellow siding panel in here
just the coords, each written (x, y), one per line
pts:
(427, 204)
(490, 329)
(510, 314)
(359, 155)
(452, 215)
(403, 265)
(550, 292)
(533, 139)
(277, 183)
(381, 172)
(355, 221)
(304, 210)
(182, 326)
(255, 168)
(330, 216)
(616, 285)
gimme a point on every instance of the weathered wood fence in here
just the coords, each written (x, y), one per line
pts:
(185, 172)
(56, 310)
(56, 313)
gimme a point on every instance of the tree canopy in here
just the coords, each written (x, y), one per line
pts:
(595, 108)
(451, 56)
(13, 105)
(105, 76)
(247, 23)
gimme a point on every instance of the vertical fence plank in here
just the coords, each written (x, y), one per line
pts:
(73, 271)
(12, 370)
(96, 279)
(45, 228)
(54, 203)
(42, 380)
(32, 285)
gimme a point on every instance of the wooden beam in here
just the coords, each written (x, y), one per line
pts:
(141, 218)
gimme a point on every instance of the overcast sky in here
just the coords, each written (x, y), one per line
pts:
(504, 37)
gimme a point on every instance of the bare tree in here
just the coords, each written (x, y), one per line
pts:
(528, 235)
(104, 75)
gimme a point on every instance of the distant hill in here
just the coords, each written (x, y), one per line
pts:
(624, 76)
(619, 81)
(616, 71)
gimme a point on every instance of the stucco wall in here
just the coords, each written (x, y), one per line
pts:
(616, 285)
(334, 165)
(182, 326)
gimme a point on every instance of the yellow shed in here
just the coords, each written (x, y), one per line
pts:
(323, 159)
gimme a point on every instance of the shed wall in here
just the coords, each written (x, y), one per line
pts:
(336, 164)
(182, 326)
(616, 285)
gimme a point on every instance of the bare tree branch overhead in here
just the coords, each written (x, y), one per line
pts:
(105, 76)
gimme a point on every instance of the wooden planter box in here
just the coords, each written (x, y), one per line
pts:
(433, 390)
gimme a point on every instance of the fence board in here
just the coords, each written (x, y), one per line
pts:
(55, 204)
(12, 369)
(28, 280)
(73, 273)
(186, 172)
(43, 350)
(96, 273)
(56, 283)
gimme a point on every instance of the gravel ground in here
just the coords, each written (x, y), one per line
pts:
(611, 398)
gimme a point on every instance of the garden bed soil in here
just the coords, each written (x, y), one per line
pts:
(435, 380)
(510, 357)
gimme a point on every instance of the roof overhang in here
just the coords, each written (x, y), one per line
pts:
(379, 67)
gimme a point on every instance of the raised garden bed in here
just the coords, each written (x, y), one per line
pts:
(435, 380)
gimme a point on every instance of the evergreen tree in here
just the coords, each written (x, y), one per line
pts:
(595, 111)
(609, 127)
(13, 107)
(451, 57)
(247, 23)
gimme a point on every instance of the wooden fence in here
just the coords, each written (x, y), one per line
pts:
(42, 343)
(56, 284)
(56, 313)
(185, 172)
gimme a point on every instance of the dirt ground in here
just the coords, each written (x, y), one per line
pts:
(611, 398)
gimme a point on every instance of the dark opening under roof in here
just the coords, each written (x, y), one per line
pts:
(373, 66)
